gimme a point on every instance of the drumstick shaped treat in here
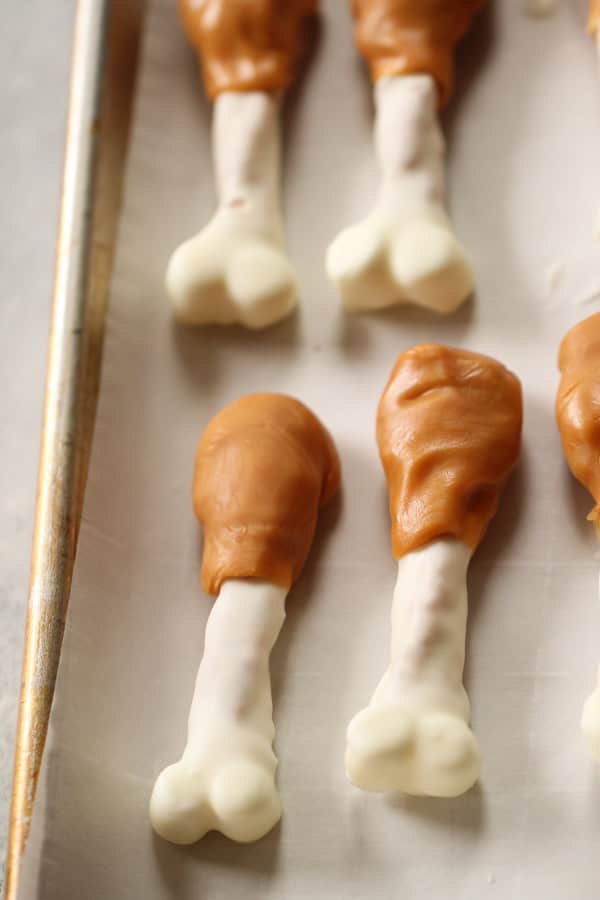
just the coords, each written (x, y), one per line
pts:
(405, 250)
(448, 429)
(236, 269)
(264, 467)
(578, 417)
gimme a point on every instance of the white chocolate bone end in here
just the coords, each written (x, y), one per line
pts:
(223, 276)
(231, 793)
(225, 779)
(391, 748)
(377, 264)
(590, 722)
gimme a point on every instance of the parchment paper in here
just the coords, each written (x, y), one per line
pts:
(524, 137)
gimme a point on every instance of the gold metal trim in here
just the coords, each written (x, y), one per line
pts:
(106, 44)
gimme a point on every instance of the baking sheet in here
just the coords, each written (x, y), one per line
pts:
(524, 136)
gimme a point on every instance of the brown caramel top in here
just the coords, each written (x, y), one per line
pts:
(594, 16)
(248, 45)
(264, 466)
(449, 433)
(407, 37)
(578, 404)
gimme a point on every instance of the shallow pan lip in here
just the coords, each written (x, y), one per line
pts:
(102, 84)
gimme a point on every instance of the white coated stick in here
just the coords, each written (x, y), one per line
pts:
(236, 268)
(405, 250)
(225, 780)
(414, 735)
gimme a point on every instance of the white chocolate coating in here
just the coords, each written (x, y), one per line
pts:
(590, 718)
(405, 250)
(590, 721)
(414, 734)
(225, 779)
(236, 269)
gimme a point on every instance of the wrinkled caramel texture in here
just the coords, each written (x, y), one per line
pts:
(578, 405)
(449, 433)
(264, 466)
(408, 37)
(248, 45)
(594, 15)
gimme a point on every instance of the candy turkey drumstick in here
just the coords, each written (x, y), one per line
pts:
(448, 429)
(578, 417)
(264, 467)
(236, 268)
(405, 250)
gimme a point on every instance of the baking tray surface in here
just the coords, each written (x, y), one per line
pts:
(524, 144)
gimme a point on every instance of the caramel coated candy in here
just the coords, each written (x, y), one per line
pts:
(264, 467)
(248, 45)
(407, 37)
(449, 433)
(578, 404)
